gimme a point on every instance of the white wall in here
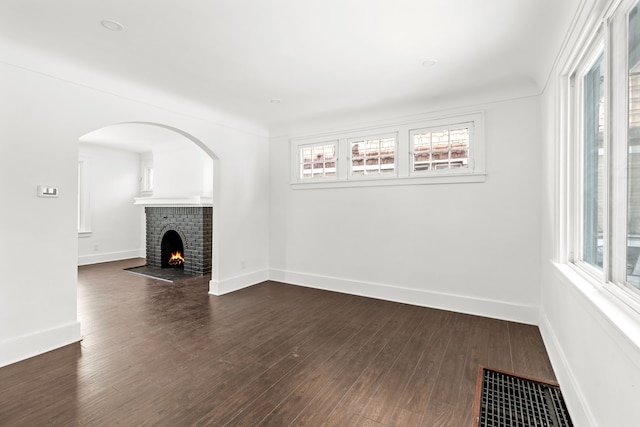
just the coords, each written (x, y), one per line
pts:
(116, 224)
(39, 251)
(182, 170)
(466, 247)
(41, 120)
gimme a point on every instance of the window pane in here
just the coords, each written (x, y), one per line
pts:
(318, 161)
(373, 156)
(593, 166)
(421, 151)
(459, 147)
(443, 149)
(318, 153)
(633, 159)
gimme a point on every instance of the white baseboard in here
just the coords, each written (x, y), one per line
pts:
(458, 303)
(575, 400)
(26, 346)
(221, 287)
(110, 256)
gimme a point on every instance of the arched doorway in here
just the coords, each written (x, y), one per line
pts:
(175, 144)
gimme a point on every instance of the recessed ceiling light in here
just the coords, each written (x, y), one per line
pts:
(429, 63)
(275, 101)
(112, 25)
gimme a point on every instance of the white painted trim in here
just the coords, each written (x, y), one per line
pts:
(110, 256)
(459, 303)
(23, 347)
(195, 201)
(225, 286)
(575, 400)
(386, 181)
(606, 308)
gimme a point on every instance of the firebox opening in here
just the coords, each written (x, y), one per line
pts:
(172, 250)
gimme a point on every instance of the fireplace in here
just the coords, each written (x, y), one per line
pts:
(180, 237)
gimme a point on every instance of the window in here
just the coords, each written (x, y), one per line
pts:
(428, 151)
(593, 165)
(317, 161)
(633, 152)
(604, 184)
(440, 149)
(146, 174)
(83, 200)
(373, 155)
(147, 180)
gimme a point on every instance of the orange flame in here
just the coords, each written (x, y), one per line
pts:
(176, 259)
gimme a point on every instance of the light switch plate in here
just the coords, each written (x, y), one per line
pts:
(47, 191)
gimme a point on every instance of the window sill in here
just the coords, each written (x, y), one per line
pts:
(386, 181)
(616, 310)
(85, 233)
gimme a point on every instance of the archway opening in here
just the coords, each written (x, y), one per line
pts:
(163, 151)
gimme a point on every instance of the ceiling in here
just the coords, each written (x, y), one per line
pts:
(136, 137)
(277, 61)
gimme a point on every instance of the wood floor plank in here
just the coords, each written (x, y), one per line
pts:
(380, 405)
(441, 414)
(166, 354)
(499, 347)
(242, 405)
(383, 403)
(529, 355)
(311, 385)
(421, 384)
(261, 407)
(449, 380)
(477, 354)
(361, 351)
(358, 395)
(404, 418)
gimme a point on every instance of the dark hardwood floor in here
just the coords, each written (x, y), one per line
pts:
(162, 354)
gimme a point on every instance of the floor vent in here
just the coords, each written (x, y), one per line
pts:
(506, 400)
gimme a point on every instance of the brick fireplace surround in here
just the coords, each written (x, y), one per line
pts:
(195, 227)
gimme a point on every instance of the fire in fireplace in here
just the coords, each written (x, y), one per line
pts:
(176, 259)
(172, 250)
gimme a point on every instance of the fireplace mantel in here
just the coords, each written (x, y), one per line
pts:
(174, 201)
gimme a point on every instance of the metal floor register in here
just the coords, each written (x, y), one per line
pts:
(505, 400)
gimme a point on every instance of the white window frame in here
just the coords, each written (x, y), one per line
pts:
(146, 174)
(471, 158)
(591, 54)
(84, 219)
(379, 175)
(298, 164)
(403, 164)
(147, 181)
(611, 38)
